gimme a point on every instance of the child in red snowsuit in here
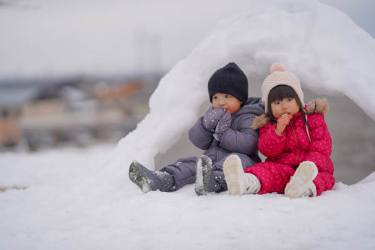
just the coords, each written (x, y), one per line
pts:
(294, 138)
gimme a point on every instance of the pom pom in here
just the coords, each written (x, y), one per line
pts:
(277, 67)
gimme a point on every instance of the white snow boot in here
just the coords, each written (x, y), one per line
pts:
(301, 183)
(238, 181)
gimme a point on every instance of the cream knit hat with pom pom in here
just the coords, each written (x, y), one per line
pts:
(277, 77)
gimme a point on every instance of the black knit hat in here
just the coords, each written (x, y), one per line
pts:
(231, 80)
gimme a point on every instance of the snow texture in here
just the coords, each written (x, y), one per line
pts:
(85, 200)
(63, 207)
(320, 44)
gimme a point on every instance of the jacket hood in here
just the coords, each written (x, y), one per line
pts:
(254, 105)
(317, 106)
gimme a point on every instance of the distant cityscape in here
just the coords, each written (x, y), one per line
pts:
(71, 111)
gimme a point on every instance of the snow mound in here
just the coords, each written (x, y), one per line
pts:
(369, 179)
(320, 44)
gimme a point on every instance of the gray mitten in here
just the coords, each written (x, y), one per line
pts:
(222, 126)
(212, 117)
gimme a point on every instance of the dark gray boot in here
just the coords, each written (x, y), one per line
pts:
(220, 185)
(203, 170)
(208, 180)
(149, 180)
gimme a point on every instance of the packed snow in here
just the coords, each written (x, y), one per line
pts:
(83, 199)
(64, 207)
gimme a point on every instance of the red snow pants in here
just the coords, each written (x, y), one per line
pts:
(275, 176)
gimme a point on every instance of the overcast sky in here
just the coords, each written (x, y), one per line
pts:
(361, 11)
(66, 37)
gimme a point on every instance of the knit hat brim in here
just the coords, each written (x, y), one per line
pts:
(278, 77)
(231, 80)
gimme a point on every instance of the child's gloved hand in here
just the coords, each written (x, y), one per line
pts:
(212, 117)
(222, 126)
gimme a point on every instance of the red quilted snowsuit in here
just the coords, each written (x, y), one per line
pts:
(285, 153)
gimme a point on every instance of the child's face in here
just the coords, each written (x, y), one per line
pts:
(229, 103)
(286, 106)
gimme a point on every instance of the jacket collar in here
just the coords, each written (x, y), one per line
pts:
(317, 106)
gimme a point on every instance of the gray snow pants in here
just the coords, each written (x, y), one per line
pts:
(183, 170)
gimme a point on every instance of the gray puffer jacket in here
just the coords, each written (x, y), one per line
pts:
(239, 138)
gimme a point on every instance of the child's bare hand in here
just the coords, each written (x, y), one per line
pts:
(281, 123)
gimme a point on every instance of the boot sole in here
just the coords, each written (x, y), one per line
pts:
(202, 175)
(140, 178)
(304, 175)
(233, 172)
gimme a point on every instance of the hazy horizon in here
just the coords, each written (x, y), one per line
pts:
(116, 37)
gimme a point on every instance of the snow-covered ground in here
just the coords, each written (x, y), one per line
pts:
(83, 199)
(64, 207)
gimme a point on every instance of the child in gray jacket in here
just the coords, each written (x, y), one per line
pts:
(222, 131)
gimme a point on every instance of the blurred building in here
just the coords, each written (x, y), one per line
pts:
(12, 98)
(77, 111)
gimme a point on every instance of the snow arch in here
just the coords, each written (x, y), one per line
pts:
(320, 44)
